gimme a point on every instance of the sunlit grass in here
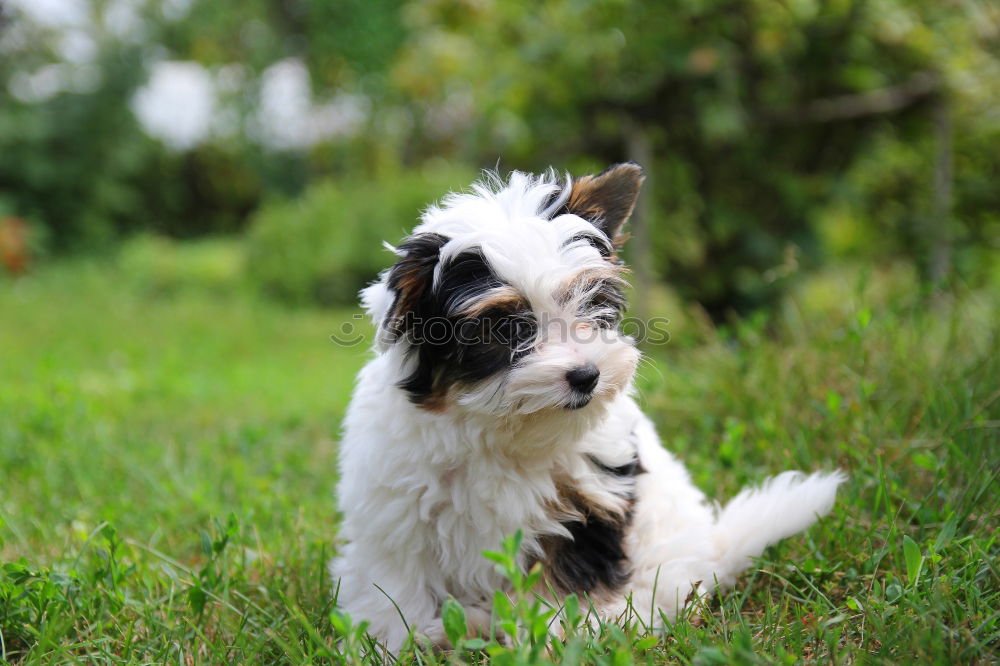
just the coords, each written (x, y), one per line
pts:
(167, 468)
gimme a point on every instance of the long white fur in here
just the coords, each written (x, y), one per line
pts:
(424, 493)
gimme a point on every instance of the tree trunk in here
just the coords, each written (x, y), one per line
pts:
(939, 260)
(640, 151)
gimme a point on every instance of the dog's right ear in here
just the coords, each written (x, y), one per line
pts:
(406, 287)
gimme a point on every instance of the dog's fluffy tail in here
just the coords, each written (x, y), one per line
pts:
(757, 517)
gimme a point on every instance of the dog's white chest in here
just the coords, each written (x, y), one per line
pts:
(471, 509)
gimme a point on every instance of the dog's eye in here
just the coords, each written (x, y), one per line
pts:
(514, 330)
(606, 318)
(605, 307)
(520, 329)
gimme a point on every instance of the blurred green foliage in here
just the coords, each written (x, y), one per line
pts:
(759, 116)
(79, 165)
(161, 266)
(344, 43)
(775, 135)
(328, 243)
(76, 162)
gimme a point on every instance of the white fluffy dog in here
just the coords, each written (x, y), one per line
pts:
(499, 399)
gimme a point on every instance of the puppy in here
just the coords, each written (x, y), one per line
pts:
(500, 398)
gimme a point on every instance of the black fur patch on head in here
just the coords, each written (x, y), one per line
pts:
(597, 240)
(464, 278)
(452, 340)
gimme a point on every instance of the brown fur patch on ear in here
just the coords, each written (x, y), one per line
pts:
(608, 198)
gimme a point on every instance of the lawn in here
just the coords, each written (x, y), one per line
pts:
(167, 470)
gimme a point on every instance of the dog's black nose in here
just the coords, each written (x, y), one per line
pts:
(583, 378)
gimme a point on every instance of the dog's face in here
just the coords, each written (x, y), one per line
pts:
(507, 300)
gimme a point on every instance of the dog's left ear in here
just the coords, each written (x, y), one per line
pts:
(410, 281)
(608, 198)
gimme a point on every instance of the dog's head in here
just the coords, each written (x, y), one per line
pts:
(507, 299)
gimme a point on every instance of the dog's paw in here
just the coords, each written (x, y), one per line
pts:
(477, 620)
(432, 637)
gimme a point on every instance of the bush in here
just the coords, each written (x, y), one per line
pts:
(163, 266)
(326, 245)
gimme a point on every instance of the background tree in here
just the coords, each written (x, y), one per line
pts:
(776, 135)
(756, 112)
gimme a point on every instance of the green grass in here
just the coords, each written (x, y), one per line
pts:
(167, 468)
